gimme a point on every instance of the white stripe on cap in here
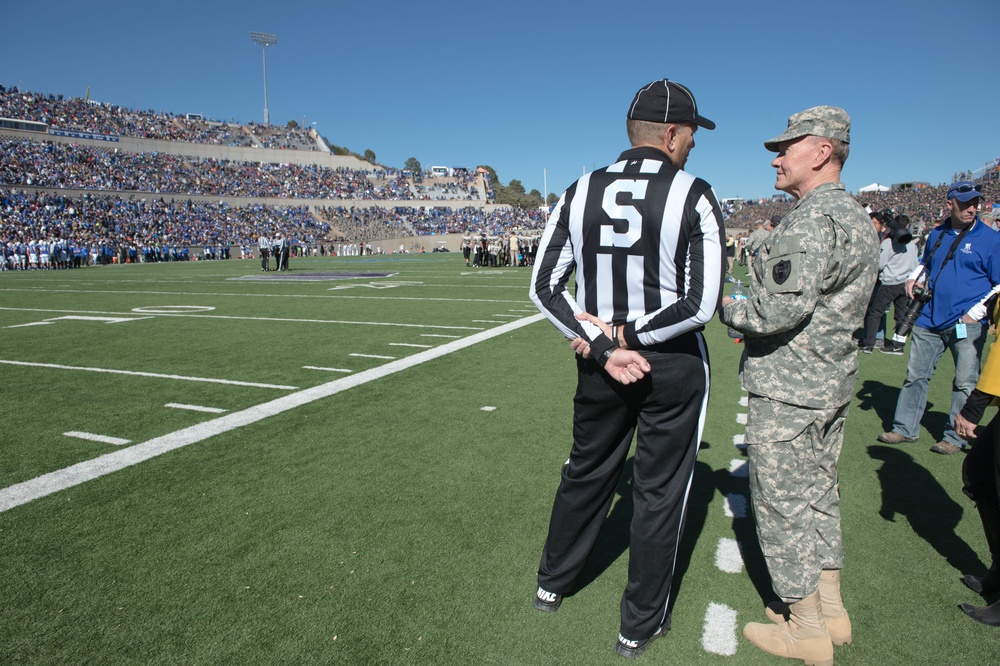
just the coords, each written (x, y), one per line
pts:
(638, 96)
(666, 112)
(694, 105)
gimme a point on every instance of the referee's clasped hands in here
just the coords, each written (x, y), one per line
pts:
(625, 366)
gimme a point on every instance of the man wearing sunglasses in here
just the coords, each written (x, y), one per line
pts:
(958, 272)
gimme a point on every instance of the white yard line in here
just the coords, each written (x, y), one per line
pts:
(154, 375)
(314, 367)
(718, 634)
(193, 315)
(103, 439)
(53, 482)
(518, 301)
(735, 505)
(196, 408)
(384, 358)
(728, 557)
(739, 469)
(408, 344)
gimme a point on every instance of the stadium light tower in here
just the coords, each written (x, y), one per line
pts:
(264, 39)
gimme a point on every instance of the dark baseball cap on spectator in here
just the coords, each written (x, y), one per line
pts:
(829, 121)
(965, 190)
(664, 101)
(775, 219)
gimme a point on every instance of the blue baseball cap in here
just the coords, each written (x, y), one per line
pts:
(965, 190)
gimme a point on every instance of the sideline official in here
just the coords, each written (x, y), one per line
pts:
(809, 285)
(646, 241)
(264, 247)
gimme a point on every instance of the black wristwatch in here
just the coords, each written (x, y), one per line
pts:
(603, 359)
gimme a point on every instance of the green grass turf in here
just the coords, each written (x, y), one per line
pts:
(397, 521)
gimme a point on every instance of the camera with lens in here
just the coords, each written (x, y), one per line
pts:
(898, 226)
(921, 294)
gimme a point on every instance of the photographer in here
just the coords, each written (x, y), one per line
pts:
(960, 266)
(896, 260)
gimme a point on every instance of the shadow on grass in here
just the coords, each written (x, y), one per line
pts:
(614, 538)
(874, 395)
(615, 534)
(909, 490)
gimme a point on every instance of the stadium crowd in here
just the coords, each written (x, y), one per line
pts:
(67, 165)
(112, 228)
(923, 204)
(374, 223)
(84, 115)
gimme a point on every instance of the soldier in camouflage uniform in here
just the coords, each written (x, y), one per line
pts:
(809, 287)
(757, 236)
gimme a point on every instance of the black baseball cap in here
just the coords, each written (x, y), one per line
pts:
(664, 101)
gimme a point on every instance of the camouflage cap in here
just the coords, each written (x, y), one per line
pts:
(829, 121)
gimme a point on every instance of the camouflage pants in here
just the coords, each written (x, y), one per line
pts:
(793, 454)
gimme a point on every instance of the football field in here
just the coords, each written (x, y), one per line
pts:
(354, 461)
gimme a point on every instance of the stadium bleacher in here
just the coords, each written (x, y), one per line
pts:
(145, 179)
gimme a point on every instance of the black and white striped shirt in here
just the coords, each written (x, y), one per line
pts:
(647, 242)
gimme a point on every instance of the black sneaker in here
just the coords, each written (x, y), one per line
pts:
(547, 602)
(865, 350)
(633, 649)
(894, 348)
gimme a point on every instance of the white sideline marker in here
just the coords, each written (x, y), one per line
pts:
(485, 321)
(438, 335)
(718, 634)
(744, 401)
(739, 441)
(53, 482)
(195, 408)
(155, 375)
(741, 418)
(384, 358)
(728, 557)
(735, 505)
(106, 320)
(314, 367)
(103, 439)
(409, 344)
(739, 469)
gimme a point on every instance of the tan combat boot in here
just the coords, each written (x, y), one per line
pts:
(838, 624)
(803, 636)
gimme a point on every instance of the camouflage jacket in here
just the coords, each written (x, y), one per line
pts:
(809, 287)
(757, 236)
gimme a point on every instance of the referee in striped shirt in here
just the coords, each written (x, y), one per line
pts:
(647, 242)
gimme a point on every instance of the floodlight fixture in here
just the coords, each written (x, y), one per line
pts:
(264, 39)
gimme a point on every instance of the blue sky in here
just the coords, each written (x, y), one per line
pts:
(531, 86)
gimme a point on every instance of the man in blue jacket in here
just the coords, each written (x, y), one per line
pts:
(958, 272)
